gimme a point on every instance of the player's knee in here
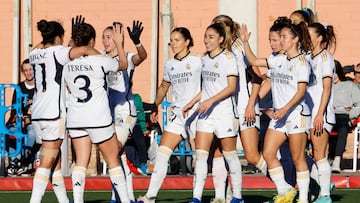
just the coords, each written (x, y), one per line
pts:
(51, 153)
(269, 157)
(252, 158)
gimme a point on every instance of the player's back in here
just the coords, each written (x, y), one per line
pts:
(88, 101)
(47, 65)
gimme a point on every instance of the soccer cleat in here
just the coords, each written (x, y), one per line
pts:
(236, 200)
(26, 170)
(194, 200)
(144, 199)
(11, 171)
(287, 198)
(332, 186)
(217, 200)
(143, 169)
(13, 167)
(323, 199)
(290, 195)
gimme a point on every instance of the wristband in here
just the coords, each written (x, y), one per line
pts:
(138, 45)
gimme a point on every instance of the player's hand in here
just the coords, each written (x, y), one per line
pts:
(279, 113)
(318, 124)
(75, 22)
(250, 114)
(118, 35)
(205, 106)
(244, 34)
(154, 117)
(186, 109)
(136, 31)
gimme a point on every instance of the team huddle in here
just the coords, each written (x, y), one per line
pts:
(214, 98)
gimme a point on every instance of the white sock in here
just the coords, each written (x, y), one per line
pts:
(261, 165)
(118, 180)
(219, 176)
(159, 173)
(200, 173)
(58, 186)
(78, 176)
(277, 176)
(337, 161)
(40, 182)
(235, 172)
(303, 181)
(314, 173)
(324, 176)
(128, 177)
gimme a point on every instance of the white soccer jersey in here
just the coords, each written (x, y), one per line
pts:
(244, 86)
(323, 66)
(120, 88)
(184, 75)
(285, 75)
(214, 73)
(47, 64)
(88, 100)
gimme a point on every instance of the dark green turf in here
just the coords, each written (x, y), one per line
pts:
(173, 196)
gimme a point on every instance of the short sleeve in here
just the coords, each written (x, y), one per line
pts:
(63, 54)
(166, 72)
(328, 68)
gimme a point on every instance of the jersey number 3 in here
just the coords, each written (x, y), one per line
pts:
(84, 88)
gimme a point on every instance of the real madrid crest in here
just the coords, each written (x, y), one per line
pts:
(315, 66)
(291, 68)
(188, 66)
(216, 65)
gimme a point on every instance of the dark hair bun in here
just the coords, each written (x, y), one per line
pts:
(43, 26)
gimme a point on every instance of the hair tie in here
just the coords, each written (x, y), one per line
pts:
(306, 10)
(325, 25)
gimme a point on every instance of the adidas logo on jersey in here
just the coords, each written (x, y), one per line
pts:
(229, 130)
(296, 127)
(172, 68)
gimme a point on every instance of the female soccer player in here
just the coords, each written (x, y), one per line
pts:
(305, 15)
(247, 106)
(120, 94)
(291, 118)
(321, 92)
(183, 74)
(217, 110)
(85, 79)
(48, 112)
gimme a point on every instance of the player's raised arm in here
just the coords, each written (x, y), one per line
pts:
(135, 34)
(118, 40)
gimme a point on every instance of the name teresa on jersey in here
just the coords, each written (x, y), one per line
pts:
(80, 68)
